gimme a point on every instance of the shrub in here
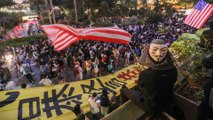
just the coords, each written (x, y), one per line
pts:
(188, 36)
(103, 24)
(185, 47)
(154, 18)
(200, 31)
(132, 21)
(20, 41)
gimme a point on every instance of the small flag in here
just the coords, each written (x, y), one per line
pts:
(199, 15)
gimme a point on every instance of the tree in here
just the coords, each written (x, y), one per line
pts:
(157, 6)
(135, 2)
(104, 9)
(168, 8)
(5, 3)
(144, 2)
(8, 21)
(40, 6)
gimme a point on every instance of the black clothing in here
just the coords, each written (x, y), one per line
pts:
(204, 110)
(104, 101)
(207, 38)
(29, 77)
(208, 62)
(157, 87)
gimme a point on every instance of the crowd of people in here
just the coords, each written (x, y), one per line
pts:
(87, 59)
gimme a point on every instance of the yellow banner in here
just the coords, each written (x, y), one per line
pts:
(58, 101)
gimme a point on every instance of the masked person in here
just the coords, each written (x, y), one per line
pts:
(155, 93)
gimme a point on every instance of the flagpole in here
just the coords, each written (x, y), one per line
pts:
(136, 57)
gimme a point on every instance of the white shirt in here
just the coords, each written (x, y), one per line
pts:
(46, 82)
(94, 108)
(10, 85)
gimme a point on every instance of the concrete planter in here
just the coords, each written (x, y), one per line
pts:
(188, 106)
(129, 111)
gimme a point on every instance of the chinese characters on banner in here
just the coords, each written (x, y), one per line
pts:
(58, 101)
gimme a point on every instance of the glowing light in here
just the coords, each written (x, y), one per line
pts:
(18, 1)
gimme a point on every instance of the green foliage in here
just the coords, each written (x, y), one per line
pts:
(104, 9)
(169, 10)
(37, 5)
(185, 47)
(157, 7)
(132, 21)
(86, 22)
(5, 3)
(140, 21)
(200, 31)
(154, 18)
(9, 20)
(188, 36)
(20, 41)
(103, 25)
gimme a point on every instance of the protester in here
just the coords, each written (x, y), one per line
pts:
(79, 113)
(78, 71)
(94, 104)
(156, 83)
(113, 103)
(26, 71)
(10, 85)
(45, 81)
(104, 104)
(95, 68)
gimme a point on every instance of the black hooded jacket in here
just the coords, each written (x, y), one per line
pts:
(157, 83)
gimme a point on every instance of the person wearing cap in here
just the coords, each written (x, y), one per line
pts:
(156, 83)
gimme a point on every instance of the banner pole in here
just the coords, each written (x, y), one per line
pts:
(136, 58)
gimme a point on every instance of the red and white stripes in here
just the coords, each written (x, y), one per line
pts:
(62, 36)
(197, 18)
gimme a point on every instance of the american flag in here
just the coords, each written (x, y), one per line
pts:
(62, 36)
(199, 15)
(16, 32)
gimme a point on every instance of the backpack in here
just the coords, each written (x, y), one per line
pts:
(211, 98)
(109, 67)
(75, 70)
